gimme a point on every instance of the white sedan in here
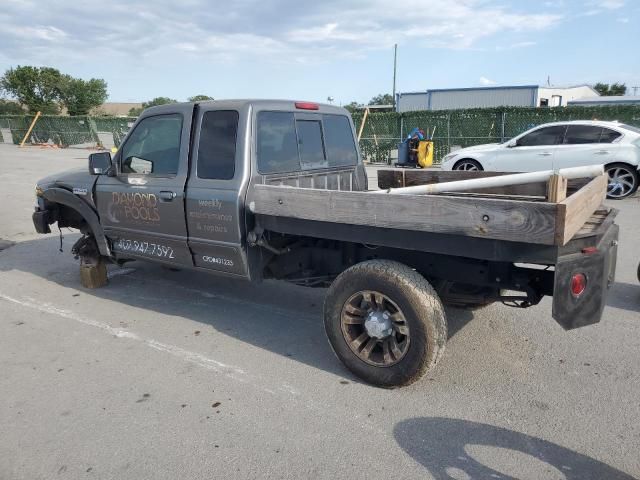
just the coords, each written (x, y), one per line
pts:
(559, 145)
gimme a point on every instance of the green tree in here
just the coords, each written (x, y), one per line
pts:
(614, 89)
(134, 112)
(80, 96)
(353, 106)
(200, 98)
(36, 88)
(382, 99)
(8, 107)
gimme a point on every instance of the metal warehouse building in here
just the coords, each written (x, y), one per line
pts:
(484, 97)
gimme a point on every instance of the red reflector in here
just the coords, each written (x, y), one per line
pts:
(307, 106)
(589, 250)
(578, 284)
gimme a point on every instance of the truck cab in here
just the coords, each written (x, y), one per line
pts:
(175, 191)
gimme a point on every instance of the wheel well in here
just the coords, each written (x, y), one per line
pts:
(635, 168)
(467, 159)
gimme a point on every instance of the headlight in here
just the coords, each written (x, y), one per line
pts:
(39, 191)
(448, 157)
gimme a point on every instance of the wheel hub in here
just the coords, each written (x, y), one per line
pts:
(378, 324)
(374, 328)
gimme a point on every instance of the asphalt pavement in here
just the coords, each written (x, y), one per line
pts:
(180, 375)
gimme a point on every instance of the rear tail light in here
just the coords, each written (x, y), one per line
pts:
(578, 284)
(307, 106)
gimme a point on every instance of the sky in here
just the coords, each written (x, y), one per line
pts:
(312, 50)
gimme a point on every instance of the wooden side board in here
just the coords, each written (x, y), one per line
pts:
(492, 218)
(407, 178)
(579, 207)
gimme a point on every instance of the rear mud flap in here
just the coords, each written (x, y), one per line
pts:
(599, 268)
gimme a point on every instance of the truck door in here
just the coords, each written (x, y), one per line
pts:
(216, 189)
(142, 207)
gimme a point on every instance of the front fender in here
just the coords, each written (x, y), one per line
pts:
(65, 197)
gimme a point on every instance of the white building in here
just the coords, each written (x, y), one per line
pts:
(485, 97)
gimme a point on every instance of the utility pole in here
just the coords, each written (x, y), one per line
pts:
(395, 54)
(635, 89)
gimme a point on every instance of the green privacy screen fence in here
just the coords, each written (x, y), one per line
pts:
(451, 129)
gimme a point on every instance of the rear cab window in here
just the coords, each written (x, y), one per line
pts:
(217, 145)
(290, 142)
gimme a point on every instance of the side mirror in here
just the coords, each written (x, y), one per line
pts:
(100, 163)
(512, 144)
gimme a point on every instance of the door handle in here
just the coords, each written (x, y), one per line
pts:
(166, 196)
(602, 152)
(545, 154)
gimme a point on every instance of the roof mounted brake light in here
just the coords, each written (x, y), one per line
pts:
(307, 106)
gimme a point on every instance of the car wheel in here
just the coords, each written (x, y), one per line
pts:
(468, 164)
(623, 180)
(385, 322)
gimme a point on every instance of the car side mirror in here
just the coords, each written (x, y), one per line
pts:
(512, 144)
(100, 163)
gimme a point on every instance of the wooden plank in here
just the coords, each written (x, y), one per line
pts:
(557, 188)
(578, 208)
(477, 217)
(390, 179)
(428, 176)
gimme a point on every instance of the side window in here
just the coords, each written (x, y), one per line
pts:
(609, 136)
(277, 144)
(544, 136)
(339, 142)
(310, 144)
(581, 134)
(154, 146)
(217, 145)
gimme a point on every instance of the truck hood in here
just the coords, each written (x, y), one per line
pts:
(70, 179)
(77, 180)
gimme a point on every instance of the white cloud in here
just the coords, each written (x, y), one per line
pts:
(599, 6)
(611, 4)
(276, 31)
(486, 81)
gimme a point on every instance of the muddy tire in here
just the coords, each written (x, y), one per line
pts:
(385, 322)
(93, 272)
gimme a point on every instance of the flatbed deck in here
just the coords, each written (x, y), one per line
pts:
(509, 214)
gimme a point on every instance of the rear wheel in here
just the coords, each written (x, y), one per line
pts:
(468, 164)
(385, 322)
(623, 180)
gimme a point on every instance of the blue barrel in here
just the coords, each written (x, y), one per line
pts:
(403, 153)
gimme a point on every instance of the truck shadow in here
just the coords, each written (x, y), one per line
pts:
(280, 317)
(452, 448)
(625, 296)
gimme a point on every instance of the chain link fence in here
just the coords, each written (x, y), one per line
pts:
(64, 131)
(450, 129)
(454, 129)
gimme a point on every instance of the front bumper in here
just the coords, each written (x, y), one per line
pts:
(41, 221)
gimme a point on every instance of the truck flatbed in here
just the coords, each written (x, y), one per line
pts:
(494, 216)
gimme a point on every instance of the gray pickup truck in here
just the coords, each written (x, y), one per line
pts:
(257, 189)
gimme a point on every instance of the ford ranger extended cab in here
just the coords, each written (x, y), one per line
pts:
(262, 189)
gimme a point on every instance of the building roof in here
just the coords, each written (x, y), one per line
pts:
(616, 99)
(495, 87)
